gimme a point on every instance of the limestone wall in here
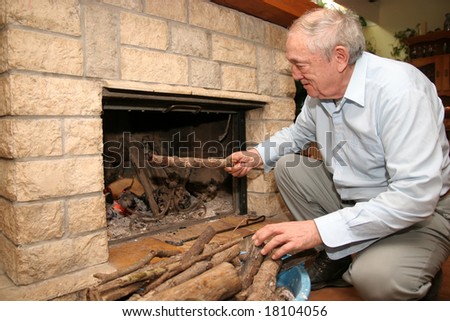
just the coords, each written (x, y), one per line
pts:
(55, 58)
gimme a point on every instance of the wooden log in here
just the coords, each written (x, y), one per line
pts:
(144, 180)
(178, 267)
(196, 269)
(227, 255)
(133, 277)
(251, 266)
(120, 293)
(265, 281)
(187, 162)
(111, 276)
(219, 283)
(199, 244)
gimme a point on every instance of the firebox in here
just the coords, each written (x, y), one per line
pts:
(144, 196)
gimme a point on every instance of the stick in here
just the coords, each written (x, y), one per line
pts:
(219, 283)
(142, 176)
(104, 277)
(188, 162)
(265, 281)
(199, 244)
(131, 278)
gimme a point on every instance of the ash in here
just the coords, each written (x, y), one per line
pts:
(131, 216)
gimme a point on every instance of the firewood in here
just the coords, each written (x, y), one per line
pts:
(199, 244)
(111, 276)
(131, 278)
(143, 178)
(227, 255)
(196, 269)
(219, 283)
(265, 281)
(251, 266)
(120, 293)
(178, 267)
(187, 162)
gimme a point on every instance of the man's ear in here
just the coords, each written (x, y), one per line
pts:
(342, 56)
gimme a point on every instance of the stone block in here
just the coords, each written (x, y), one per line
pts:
(27, 223)
(26, 265)
(214, 17)
(7, 188)
(265, 70)
(4, 96)
(177, 10)
(205, 74)
(3, 12)
(86, 214)
(239, 79)
(266, 204)
(142, 31)
(61, 16)
(283, 86)
(281, 64)
(280, 109)
(189, 41)
(260, 182)
(234, 51)
(255, 132)
(44, 95)
(276, 36)
(42, 179)
(135, 5)
(83, 136)
(152, 66)
(101, 42)
(3, 51)
(252, 28)
(272, 127)
(30, 137)
(29, 50)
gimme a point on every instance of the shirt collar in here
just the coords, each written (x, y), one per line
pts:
(356, 88)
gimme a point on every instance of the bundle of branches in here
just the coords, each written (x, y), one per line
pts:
(207, 271)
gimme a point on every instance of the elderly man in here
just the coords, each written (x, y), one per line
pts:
(377, 207)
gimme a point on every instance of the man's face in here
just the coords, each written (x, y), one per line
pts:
(317, 75)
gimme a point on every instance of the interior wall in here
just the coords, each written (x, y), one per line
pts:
(397, 15)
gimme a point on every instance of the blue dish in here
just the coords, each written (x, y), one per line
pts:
(296, 279)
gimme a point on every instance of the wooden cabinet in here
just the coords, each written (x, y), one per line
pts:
(431, 54)
(437, 69)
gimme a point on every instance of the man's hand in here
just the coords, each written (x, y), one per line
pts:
(288, 237)
(243, 162)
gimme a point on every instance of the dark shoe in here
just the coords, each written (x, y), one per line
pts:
(436, 284)
(325, 272)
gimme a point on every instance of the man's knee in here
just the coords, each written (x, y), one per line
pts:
(386, 283)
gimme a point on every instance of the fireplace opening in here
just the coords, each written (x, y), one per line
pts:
(163, 160)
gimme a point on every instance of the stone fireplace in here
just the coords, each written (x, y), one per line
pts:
(56, 60)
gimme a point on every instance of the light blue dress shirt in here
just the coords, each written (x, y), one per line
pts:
(385, 145)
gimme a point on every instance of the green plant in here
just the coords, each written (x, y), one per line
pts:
(400, 48)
